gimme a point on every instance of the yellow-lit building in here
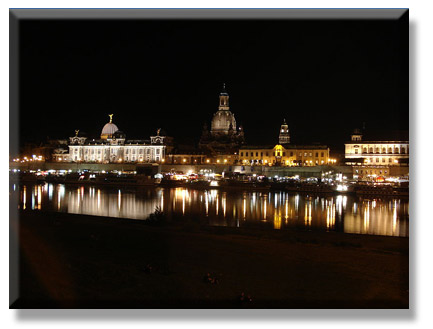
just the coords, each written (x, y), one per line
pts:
(287, 155)
(374, 159)
(375, 153)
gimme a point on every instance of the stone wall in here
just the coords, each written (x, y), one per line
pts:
(315, 171)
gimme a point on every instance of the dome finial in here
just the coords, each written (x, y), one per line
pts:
(111, 117)
(76, 132)
(285, 121)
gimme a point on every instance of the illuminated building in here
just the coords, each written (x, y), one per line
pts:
(371, 159)
(288, 155)
(387, 153)
(224, 136)
(284, 134)
(113, 147)
(284, 153)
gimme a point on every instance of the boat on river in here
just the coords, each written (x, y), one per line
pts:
(385, 190)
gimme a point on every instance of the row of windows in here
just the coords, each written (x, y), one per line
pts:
(383, 160)
(370, 171)
(377, 150)
(322, 154)
(141, 151)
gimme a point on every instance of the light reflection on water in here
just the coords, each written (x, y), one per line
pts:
(350, 214)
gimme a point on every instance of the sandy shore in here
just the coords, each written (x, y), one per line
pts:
(77, 261)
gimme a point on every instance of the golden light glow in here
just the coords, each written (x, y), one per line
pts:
(24, 197)
(277, 220)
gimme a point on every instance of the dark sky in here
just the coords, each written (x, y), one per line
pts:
(325, 77)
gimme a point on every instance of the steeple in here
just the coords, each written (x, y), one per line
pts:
(284, 134)
(224, 99)
(356, 135)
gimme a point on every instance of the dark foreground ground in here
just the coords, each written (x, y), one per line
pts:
(74, 261)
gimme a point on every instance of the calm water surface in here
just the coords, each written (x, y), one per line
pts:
(349, 214)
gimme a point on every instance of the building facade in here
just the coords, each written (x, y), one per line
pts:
(385, 153)
(284, 153)
(113, 147)
(288, 155)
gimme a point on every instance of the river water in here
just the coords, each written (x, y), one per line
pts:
(274, 209)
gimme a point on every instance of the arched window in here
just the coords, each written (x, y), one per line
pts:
(389, 150)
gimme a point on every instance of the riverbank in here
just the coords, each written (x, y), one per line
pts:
(77, 261)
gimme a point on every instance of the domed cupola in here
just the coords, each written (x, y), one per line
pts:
(223, 118)
(109, 129)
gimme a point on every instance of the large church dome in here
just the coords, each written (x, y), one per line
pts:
(109, 129)
(221, 122)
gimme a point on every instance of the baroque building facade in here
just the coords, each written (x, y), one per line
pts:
(389, 153)
(284, 153)
(372, 160)
(113, 147)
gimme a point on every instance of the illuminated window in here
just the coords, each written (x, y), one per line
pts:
(383, 159)
(356, 151)
(305, 154)
(377, 159)
(242, 154)
(311, 154)
(322, 154)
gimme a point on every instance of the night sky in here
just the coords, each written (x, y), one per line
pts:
(325, 77)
